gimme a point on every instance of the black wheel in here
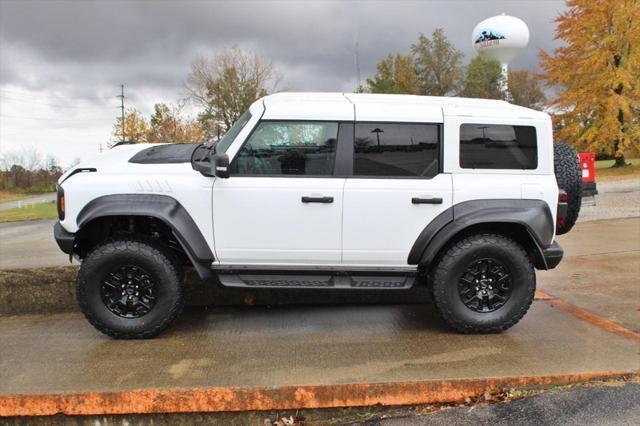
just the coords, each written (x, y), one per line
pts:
(130, 288)
(483, 283)
(569, 177)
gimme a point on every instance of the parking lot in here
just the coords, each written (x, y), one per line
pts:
(583, 325)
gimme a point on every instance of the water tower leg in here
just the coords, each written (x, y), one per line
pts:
(504, 83)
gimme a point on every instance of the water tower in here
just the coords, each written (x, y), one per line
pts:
(501, 38)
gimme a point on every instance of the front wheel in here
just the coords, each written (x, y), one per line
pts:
(483, 283)
(130, 288)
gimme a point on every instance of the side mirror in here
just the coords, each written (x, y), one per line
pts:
(221, 165)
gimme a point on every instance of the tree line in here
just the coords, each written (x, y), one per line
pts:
(435, 68)
(28, 172)
(593, 77)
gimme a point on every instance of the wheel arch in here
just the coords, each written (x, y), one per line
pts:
(529, 222)
(164, 209)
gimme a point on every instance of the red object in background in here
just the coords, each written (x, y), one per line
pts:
(588, 169)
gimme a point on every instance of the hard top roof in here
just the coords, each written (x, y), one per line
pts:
(340, 106)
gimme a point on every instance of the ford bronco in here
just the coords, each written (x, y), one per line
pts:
(327, 191)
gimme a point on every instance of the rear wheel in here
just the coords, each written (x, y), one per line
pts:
(483, 283)
(569, 177)
(130, 288)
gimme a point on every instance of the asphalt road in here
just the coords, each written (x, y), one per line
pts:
(29, 244)
(36, 199)
(619, 405)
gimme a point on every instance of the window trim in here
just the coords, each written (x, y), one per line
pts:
(257, 125)
(501, 169)
(440, 134)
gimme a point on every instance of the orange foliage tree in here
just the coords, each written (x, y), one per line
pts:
(597, 71)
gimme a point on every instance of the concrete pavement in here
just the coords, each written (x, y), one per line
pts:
(600, 271)
(291, 351)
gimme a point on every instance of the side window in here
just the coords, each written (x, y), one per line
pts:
(497, 146)
(288, 148)
(396, 149)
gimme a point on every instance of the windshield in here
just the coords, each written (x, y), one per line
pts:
(231, 134)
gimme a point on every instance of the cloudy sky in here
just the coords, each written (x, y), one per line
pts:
(62, 62)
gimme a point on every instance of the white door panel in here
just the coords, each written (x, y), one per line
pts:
(380, 221)
(263, 220)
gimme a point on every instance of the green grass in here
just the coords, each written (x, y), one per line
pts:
(31, 212)
(606, 172)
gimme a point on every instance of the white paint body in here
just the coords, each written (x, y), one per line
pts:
(261, 221)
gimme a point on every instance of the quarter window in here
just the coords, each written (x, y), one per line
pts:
(497, 146)
(288, 148)
(396, 149)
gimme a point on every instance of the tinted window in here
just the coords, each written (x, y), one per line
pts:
(289, 148)
(492, 146)
(394, 149)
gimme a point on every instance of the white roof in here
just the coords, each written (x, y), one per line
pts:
(380, 107)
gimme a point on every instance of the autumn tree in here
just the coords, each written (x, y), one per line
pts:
(438, 65)
(597, 71)
(395, 74)
(135, 128)
(482, 79)
(525, 90)
(167, 125)
(226, 84)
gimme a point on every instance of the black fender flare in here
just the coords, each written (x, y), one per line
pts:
(532, 215)
(163, 207)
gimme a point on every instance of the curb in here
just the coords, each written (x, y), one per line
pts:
(219, 399)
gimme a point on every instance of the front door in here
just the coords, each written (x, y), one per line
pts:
(396, 190)
(282, 204)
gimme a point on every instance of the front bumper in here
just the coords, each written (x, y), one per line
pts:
(552, 255)
(64, 238)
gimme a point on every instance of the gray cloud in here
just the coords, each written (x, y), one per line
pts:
(84, 50)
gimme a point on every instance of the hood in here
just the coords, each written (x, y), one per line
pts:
(111, 159)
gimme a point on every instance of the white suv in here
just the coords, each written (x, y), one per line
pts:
(331, 191)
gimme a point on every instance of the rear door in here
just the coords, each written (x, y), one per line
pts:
(395, 190)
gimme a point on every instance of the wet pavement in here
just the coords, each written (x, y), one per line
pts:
(240, 347)
(600, 271)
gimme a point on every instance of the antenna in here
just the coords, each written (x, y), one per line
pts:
(356, 36)
(121, 96)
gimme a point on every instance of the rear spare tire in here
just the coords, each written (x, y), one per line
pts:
(569, 177)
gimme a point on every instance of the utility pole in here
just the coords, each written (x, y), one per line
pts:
(121, 96)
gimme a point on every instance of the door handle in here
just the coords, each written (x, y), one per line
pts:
(418, 200)
(320, 199)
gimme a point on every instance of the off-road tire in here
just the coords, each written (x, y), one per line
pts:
(569, 177)
(143, 252)
(450, 268)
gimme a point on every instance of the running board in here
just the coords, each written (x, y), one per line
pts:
(381, 282)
